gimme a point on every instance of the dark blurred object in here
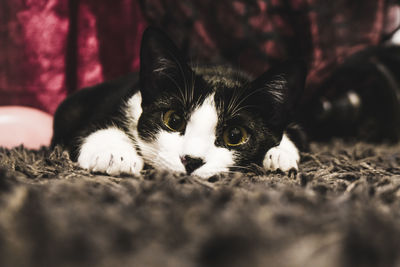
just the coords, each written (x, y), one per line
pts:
(360, 99)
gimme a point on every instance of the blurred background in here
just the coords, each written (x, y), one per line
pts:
(51, 48)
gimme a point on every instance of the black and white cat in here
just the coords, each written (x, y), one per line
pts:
(200, 121)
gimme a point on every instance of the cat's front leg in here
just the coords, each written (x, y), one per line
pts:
(284, 157)
(110, 151)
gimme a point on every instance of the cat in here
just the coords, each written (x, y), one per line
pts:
(201, 121)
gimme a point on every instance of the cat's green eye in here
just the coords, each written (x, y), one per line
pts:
(174, 120)
(235, 136)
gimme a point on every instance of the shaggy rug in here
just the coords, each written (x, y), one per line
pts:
(341, 209)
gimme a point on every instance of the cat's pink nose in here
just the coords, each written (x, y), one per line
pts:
(191, 163)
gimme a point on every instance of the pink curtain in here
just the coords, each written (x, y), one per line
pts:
(51, 47)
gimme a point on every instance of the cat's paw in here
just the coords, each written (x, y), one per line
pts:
(284, 157)
(111, 161)
(278, 158)
(110, 151)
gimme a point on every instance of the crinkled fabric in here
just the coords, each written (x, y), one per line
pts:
(49, 48)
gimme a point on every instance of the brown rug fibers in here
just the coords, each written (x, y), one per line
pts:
(341, 209)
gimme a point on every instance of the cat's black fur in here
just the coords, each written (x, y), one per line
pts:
(90, 109)
(373, 75)
(163, 70)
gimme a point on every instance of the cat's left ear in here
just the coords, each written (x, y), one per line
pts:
(162, 66)
(278, 91)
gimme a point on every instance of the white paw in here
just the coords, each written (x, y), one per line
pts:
(111, 161)
(110, 151)
(284, 157)
(278, 158)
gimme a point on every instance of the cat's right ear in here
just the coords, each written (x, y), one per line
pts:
(278, 91)
(162, 67)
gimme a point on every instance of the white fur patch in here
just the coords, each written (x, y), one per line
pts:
(164, 152)
(133, 112)
(110, 151)
(284, 157)
(197, 142)
(200, 130)
(135, 108)
(200, 141)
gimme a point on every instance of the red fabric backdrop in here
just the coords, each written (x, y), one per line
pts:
(49, 48)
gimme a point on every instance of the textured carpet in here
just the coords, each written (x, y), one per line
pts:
(341, 209)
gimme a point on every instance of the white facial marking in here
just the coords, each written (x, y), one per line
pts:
(200, 130)
(285, 156)
(109, 151)
(200, 138)
(197, 142)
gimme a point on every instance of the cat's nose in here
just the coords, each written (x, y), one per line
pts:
(191, 163)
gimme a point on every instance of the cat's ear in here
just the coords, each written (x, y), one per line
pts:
(278, 91)
(162, 67)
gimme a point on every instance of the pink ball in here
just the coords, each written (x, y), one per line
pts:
(23, 125)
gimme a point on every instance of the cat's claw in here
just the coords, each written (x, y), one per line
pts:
(107, 151)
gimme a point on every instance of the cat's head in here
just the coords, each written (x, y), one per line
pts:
(208, 120)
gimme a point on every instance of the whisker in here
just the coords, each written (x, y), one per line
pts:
(183, 76)
(252, 93)
(192, 87)
(237, 105)
(176, 84)
(234, 112)
(151, 155)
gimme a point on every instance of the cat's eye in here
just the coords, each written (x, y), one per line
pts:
(235, 136)
(174, 120)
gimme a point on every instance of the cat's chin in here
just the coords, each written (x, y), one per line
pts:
(202, 173)
(205, 174)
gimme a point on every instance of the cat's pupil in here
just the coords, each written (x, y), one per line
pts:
(235, 135)
(175, 121)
